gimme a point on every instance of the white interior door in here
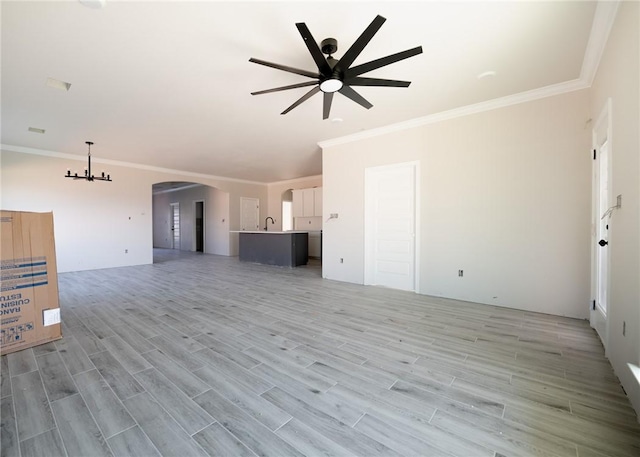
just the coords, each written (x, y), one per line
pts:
(602, 220)
(390, 226)
(175, 225)
(249, 213)
(602, 251)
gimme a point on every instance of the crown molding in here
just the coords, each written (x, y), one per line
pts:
(294, 180)
(603, 20)
(489, 105)
(190, 186)
(62, 155)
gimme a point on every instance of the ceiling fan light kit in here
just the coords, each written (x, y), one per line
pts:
(338, 75)
(331, 85)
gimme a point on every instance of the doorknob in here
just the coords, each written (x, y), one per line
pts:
(603, 242)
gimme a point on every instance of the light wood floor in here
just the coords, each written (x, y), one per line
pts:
(204, 355)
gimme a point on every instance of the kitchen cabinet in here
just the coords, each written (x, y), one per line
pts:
(307, 202)
(315, 244)
(297, 203)
(286, 249)
(317, 201)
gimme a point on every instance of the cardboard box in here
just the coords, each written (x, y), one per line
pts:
(29, 308)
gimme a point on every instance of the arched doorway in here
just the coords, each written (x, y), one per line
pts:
(189, 216)
(287, 210)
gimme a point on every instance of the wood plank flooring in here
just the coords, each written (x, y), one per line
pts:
(201, 355)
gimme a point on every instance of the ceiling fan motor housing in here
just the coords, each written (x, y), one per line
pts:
(329, 46)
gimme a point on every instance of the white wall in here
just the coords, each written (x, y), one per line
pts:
(505, 196)
(274, 208)
(95, 222)
(618, 78)
(162, 221)
(217, 237)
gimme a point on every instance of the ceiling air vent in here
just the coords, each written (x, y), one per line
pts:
(57, 84)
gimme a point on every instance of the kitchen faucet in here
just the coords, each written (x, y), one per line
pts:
(265, 222)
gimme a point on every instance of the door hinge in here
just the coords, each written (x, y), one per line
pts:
(594, 154)
(593, 305)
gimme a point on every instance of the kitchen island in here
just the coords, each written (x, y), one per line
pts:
(286, 249)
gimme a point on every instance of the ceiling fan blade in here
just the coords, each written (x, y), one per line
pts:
(359, 81)
(314, 49)
(383, 61)
(277, 66)
(326, 106)
(356, 48)
(278, 89)
(305, 97)
(356, 97)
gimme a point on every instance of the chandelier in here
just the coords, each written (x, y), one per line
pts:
(87, 171)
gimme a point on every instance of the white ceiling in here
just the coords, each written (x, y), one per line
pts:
(168, 84)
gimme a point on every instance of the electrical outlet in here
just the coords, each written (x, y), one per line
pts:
(619, 201)
(341, 260)
(461, 273)
(333, 216)
(126, 251)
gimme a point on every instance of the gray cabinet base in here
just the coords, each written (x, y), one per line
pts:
(285, 250)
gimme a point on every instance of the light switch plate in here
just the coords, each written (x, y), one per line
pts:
(50, 316)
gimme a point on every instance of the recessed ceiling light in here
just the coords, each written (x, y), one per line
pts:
(337, 120)
(486, 74)
(35, 130)
(57, 84)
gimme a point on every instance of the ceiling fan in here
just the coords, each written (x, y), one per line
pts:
(338, 75)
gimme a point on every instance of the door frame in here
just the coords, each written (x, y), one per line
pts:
(172, 207)
(204, 224)
(368, 238)
(601, 134)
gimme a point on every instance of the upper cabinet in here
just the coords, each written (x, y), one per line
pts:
(297, 203)
(308, 206)
(317, 201)
(307, 202)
